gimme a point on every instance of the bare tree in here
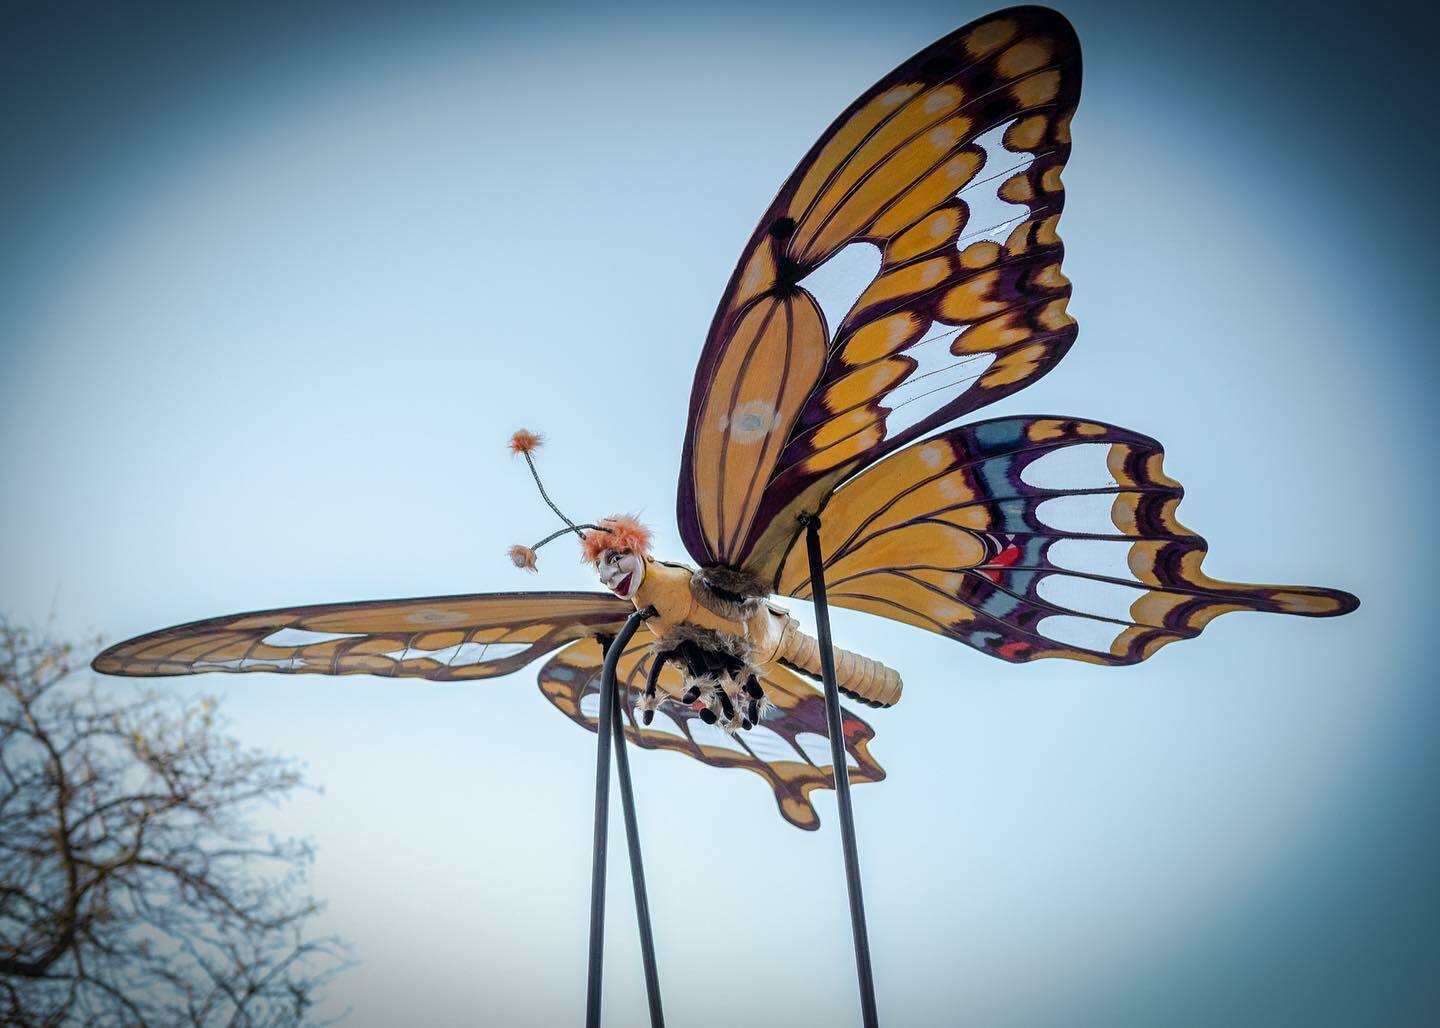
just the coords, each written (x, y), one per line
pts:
(134, 887)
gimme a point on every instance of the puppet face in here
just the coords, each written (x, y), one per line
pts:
(621, 572)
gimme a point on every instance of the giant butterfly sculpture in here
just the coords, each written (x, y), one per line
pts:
(938, 190)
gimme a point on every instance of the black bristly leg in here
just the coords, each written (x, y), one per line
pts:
(695, 660)
(716, 663)
(752, 707)
(652, 681)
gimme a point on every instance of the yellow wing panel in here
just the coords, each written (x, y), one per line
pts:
(443, 638)
(948, 170)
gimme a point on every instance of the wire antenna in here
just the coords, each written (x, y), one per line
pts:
(524, 443)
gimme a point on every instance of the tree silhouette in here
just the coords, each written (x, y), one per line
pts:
(134, 888)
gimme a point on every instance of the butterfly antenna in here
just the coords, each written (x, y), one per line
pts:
(524, 443)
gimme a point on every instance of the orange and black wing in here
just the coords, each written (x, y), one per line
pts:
(1032, 537)
(443, 638)
(907, 273)
(790, 748)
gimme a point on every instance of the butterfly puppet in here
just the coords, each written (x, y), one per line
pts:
(938, 191)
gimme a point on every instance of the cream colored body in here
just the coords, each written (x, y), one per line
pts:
(772, 635)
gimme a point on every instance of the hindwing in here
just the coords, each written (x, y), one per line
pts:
(1032, 537)
(790, 748)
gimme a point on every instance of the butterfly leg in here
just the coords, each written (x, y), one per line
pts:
(649, 700)
(712, 676)
(754, 695)
(695, 668)
(698, 673)
(727, 706)
(696, 663)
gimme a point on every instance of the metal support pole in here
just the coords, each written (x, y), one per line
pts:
(602, 818)
(637, 866)
(842, 777)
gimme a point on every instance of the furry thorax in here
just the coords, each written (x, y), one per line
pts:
(728, 592)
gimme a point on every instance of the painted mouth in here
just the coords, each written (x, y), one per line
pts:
(622, 587)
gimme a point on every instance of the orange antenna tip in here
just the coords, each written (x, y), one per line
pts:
(525, 441)
(523, 557)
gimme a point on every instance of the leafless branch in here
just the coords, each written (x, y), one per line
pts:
(134, 887)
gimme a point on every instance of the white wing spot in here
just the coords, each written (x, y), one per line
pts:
(1080, 632)
(750, 422)
(462, 654)
(817, 748)
(663, 723)
(990, 216)
(1087, 596)
(710, 735)
(1094, 556)
(1078, 466)
(932, 455)
(435, 617)
(938, 378)
(769, 746)
(1088, 514)
(838, 283)
(303, 637)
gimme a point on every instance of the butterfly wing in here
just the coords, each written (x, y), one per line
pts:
(1032, 537)
(937, 194)
(790, 749)
(443, 638)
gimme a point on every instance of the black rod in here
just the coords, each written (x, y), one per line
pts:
(602, 818)
(842, 777)
(637, 865)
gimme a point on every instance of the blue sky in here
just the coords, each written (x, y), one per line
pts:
(278, 285)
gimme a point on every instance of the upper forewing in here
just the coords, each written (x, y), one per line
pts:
(1032, 537)
(445, 638)
(790, 748)
(907, 273)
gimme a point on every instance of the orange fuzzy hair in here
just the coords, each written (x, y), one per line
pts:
(617, 532)
(523, 441)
